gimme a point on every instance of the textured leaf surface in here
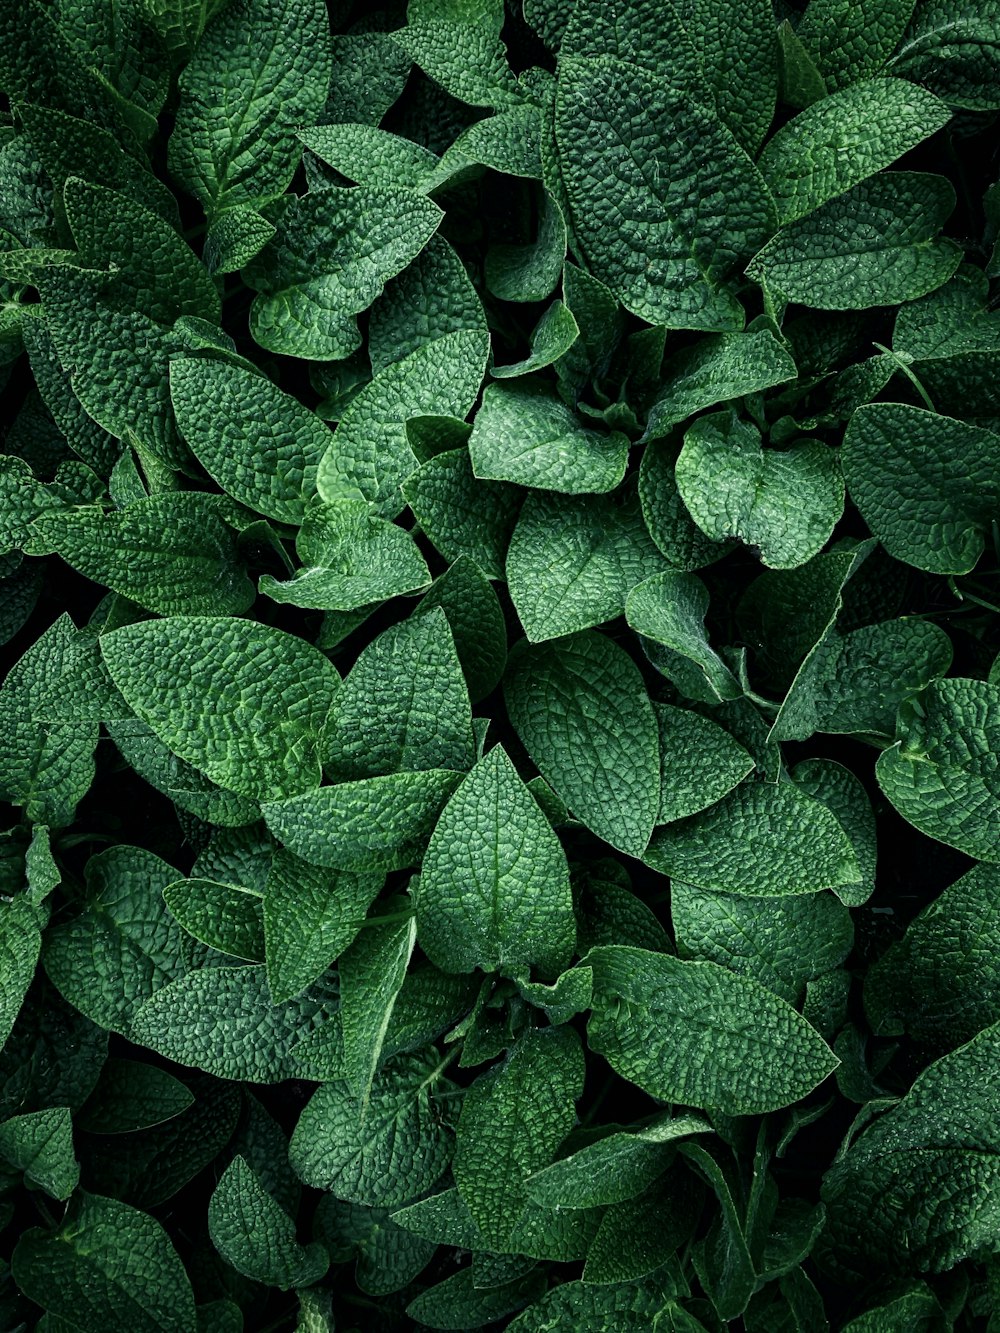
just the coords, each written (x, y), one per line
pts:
(635, 155)
(131, 1095)
(242, 702)
(581, 711)
(941, 775)
(670, 610)
(372, 972)
(653, 1014)
(953, 48)
(764, 840)
(513, 1119)
(845, 138)
(226, 917)
(494, 888)
(251, 1232)
(700, 762)
(784, 503)
(461, 514)
(40, 1144)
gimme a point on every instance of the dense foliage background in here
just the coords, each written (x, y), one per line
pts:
(500, 560)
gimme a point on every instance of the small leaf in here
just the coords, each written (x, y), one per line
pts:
(256, 1236)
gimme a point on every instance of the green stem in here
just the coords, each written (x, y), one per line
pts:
(908, 373)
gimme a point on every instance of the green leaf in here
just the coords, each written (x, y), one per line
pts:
(781, 943)
(953, 48)
(507, 142)
(132, 1095)
(226, 917)
(525, 434)
(635, 154)
(41, 1145)
(234, 238)
(404, 705)
(956, 318)
(848, 41)
(513, 1118)
(369, 455)
(371, 975)
(682, 543)
(256, 1236)
(260, 444)
(714, 370)
(365, 824)
(477, 624)
(398, 1147)
(845, 138)
(653, 1015)
(581, 711)
(573, 560)
(106, 1264)
(311, 915)
(170, 553)
(616, 1167)
(531, 272)
(916, 1309)
(937, 467)
(460, 514)
(261, 69)
(844, 795)
(334, 251)
(223, 1020)
(917, 1190)
(457, 1300)
(785, 503)
(242, 702)
(124, 945)
(467, 58)
(670, 610)
(877, 244)
(552, 337)
(941, 773)
(388, 1258)
(370, 156)
(700, 762)
(20, 945)
(350, 560)
(159, 273)
(938, 981)
(494, 888)
(764, 840)
(45, 767)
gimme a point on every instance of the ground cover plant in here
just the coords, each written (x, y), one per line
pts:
(500, 564)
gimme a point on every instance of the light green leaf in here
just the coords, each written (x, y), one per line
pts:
(365, 824)
(845, 138)
(616, 1167)
(243, 702)
(952, 47)
(369, 455)
(40, 1144)
(124, 945)
(46, 767)
(783, 502)
(513, 1118)
(683, 544)
(939, 981)
(260, 444)
(171, 553)
(371, 975)
(877, 244)
(404, 705)
(525, 434)
(653, 1015)
(256, 1236)
(370, 156)
(334, 251)
(670, 610)
(350, 559)
(507, 142)
(713, 370)
(700, 762)
(131, 1095)
(923, 484)
(107, 1264)
(635, 154)
(954, 319)
(467, 58)
(226, 917)
(398, 1147)
(494, 888)
(462, 515)
(764, 840)
(311, 915)
(261, 69)
(581, 710)
(552, 337)
(223, 1020)
(849, 41)
(919, 1188)
(573, 560)
(941, 774)
(781, 943)
(159, 273)
(234, 238)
